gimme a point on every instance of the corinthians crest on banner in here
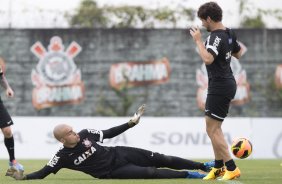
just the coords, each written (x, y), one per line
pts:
(56, 78)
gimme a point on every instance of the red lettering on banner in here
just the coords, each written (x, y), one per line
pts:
(139, 73)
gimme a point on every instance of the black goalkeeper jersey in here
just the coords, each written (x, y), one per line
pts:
(87, 156)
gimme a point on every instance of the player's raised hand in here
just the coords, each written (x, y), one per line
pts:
(137, 115)
(195, 33)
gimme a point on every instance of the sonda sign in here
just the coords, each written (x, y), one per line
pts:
(56, 78)
(131, 74)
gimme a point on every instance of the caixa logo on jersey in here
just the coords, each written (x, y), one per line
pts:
(242, 95)
(56, 78)
(139, 73)
(278, 77)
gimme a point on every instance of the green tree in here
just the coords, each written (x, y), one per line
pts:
(253, 22)
(88, 15)
(127, 16)
(252, 17)
(165, 15)
(106, 108)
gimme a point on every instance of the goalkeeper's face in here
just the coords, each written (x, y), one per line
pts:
(70, 138)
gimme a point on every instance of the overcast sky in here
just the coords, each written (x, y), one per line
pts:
(49, 13)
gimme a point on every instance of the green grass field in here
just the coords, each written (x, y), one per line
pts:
(253, 172)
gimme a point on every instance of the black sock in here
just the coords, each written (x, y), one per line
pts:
(218, 164)
(230, 165)
(9, 143)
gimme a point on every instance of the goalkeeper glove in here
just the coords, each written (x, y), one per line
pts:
(19, 175)
(136, 117)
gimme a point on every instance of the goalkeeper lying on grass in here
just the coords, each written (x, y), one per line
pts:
(81, 152)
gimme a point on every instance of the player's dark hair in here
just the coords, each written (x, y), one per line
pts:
(212, 10)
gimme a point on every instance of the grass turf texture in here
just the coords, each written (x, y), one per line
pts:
(253, 172)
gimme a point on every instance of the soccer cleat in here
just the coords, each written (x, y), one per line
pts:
(208, 166)
(214, 173)
(195, 175)
(14, 166)
(136, 117)
(230, 175)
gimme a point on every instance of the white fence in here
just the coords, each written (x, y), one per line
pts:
(185, 137)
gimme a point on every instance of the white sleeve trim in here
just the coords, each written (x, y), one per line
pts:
(212, 48)
(101, 136)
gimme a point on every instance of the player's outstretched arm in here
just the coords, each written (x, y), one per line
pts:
(40, 174)
(112, 132)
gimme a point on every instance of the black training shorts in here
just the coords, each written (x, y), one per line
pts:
(219, 97)
(5, 118)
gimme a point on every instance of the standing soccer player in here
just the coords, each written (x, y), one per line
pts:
(216, 53)
(5, 124)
